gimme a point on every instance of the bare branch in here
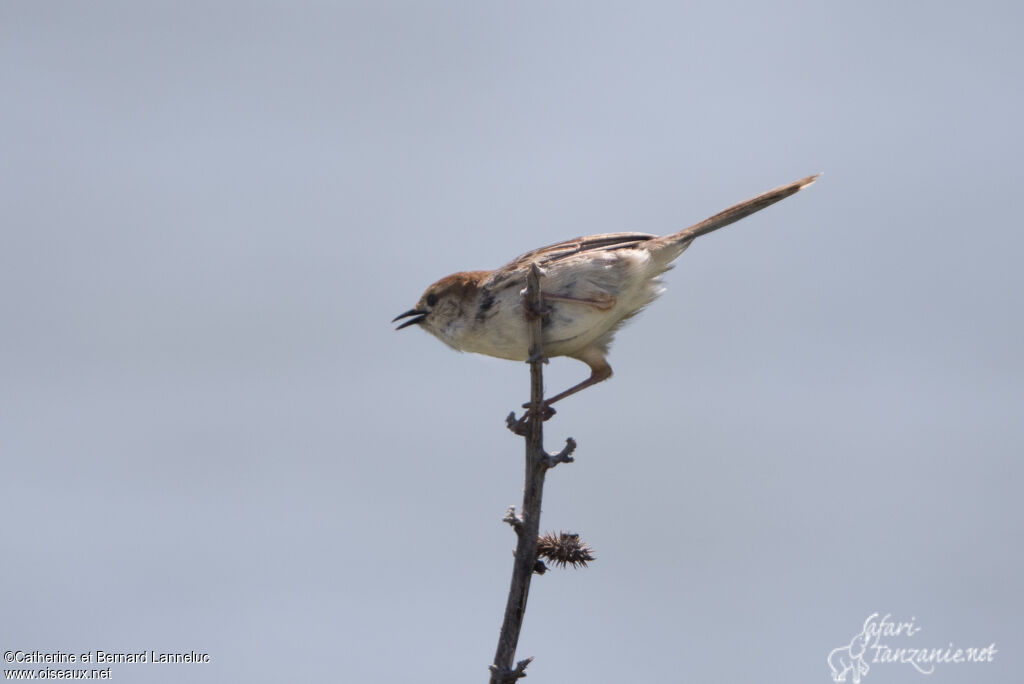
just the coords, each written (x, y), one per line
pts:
(538, 462)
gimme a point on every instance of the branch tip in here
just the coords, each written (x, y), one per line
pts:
(505, 674)
(563, 456)
(520, 670)
(512, 519)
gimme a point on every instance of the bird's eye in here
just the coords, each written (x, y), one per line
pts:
(431, 299)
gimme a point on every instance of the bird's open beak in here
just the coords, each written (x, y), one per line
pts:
(417, 317)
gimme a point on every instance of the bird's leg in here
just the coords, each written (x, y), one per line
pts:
(602, 302)
(596, 376)
(599, 372)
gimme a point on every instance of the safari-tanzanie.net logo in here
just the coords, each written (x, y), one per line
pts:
(882, 641)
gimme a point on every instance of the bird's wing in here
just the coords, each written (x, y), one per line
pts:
(552, 255)
(589, 243)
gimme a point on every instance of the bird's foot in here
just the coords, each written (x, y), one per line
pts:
(519, 425)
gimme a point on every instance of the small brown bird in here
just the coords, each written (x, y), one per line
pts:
(591, 286)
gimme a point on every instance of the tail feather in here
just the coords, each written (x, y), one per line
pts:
(734, 213)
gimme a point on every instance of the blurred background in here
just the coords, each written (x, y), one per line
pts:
(212, 440)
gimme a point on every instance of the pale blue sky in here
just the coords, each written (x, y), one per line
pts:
(213, 440)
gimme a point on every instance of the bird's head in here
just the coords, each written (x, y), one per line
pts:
(446, 305)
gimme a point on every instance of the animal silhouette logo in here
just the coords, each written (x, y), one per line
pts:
(849, 659)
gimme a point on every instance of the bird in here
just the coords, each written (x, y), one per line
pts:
(590, 287)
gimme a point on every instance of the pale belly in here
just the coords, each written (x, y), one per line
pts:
(569, 326)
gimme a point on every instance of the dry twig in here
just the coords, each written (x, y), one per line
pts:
(527, 523)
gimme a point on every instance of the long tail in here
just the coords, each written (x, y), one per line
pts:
(735, 213)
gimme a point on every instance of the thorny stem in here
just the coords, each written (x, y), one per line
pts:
(527, 525)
